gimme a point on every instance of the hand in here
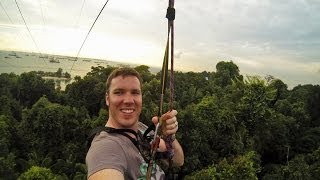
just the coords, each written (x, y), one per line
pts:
(170, 123)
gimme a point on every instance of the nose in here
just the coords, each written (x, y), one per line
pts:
(128, 98)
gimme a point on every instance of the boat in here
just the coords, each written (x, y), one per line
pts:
(54, 60)
(13, 54)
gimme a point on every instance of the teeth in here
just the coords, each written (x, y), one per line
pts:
(127, 110)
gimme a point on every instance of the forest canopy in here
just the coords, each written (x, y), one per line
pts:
(231, 126)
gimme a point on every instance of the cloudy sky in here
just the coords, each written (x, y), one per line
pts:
(263, 37)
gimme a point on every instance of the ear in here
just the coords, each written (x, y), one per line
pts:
(107, 100)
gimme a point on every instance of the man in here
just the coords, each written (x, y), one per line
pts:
(115, 156)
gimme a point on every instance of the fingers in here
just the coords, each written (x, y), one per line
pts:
(171, 125)
(155, 120)
(167, 116)
(171, 128)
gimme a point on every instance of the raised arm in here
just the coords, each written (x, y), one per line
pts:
(169, 129)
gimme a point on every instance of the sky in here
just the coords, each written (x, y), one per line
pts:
(262, 37)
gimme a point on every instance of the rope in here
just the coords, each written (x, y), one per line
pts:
(169, 139)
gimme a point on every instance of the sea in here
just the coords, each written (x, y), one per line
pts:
(19, 62)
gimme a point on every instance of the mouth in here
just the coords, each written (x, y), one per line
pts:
(127, 111)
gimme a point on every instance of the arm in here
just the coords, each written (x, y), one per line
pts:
(105, 158)
(178, 158)
(107, 174)
(170, 128)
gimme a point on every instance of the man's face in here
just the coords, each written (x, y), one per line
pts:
(125, 101)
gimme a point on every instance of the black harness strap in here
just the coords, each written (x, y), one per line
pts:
(123, 132)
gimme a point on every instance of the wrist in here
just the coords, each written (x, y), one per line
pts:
(169, 138)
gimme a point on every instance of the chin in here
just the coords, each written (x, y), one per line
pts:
(129, 124)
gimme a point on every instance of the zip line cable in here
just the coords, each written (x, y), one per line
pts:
(29, 31)
(76, 25)
(18, 34)
(43, 21)
(88, 34)
(6, 13)
(77, 22)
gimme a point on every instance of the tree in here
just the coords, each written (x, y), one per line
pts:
(245, 166)
(144, 72)
(59, 73)
(36, 172)
(226, 72)
(281, 90)
(47, 120)
(33, 87)
(67, 75)
(7, 158)
(89, 92)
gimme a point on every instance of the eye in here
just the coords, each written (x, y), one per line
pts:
(136, 92)
(117, 92)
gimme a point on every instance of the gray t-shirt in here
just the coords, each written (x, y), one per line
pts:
(115, 151)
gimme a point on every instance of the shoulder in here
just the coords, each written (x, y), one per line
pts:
(106, 141)
(106, 152)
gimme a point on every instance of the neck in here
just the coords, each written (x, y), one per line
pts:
(112, 124)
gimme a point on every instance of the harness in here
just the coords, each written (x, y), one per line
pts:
(141, 141)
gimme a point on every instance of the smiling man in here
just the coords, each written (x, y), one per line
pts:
(116, 154)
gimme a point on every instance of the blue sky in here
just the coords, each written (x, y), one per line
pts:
(266, 37)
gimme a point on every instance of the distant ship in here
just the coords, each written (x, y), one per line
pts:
(43, 56)
(71, 59)
(13, 54)
(53, 60)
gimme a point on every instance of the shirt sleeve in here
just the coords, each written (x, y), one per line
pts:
(105, 153)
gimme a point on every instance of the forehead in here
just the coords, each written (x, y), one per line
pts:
(125, 82)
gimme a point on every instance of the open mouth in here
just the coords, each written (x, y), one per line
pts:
(127, 111)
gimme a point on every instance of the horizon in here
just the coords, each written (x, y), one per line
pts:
(268, 37)
(153, 69)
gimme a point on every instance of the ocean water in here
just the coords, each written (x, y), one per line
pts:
(20, 62)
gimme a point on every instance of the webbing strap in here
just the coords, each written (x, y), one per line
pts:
(123, 132)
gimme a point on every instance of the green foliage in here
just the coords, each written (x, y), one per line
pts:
(9, 85)
(300, 167)
(10, 107)
(89, 92)
(226, 72)
(7, 158)
(297, 169)
(309, 141)
(241, 167)
(38, 173)
(189, 87)
(32, 87)
(209, 173)
(221, 117)
(47, 120)
(145, 73)
(5, 136)
(7, 166)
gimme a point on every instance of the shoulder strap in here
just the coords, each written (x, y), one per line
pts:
(123, 132)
